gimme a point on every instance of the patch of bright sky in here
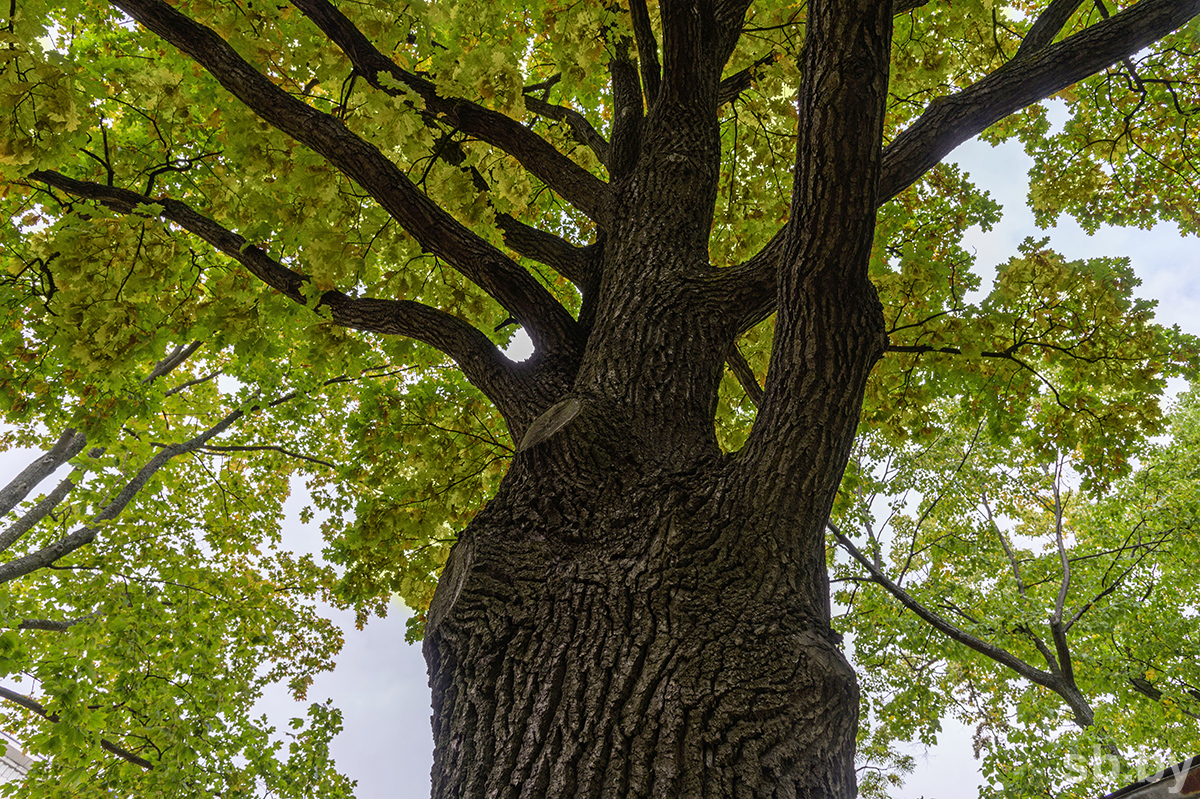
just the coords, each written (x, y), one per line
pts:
(520, 347)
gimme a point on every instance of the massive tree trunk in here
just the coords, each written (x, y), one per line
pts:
(613, 626)
(636, 613)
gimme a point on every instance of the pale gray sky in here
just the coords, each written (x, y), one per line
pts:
(380, 681)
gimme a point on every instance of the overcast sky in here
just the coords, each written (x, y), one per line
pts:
(380, 682)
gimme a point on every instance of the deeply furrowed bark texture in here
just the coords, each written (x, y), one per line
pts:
(632, 615)
(612, 631)
(636, 614)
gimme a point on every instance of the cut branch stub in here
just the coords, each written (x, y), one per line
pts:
(550, 422)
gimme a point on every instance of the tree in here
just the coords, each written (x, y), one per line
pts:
(205, 198)
(1052, 621)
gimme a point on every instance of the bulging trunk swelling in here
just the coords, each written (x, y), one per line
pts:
(618, 631)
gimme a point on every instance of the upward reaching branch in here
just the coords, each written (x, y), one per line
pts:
(578, 186)
(548, 323)
(681, 140)
(1047, 25)
(949, 121)
(627, 113)
(829, 330)
(697, 40)
(647, 47)
(482, 363)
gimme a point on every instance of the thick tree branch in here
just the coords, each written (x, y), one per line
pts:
(647, 49)
(525, 239)
(950, 121)
(733, 85)
(547, 322)
(69, 444)
(576, 264)
(13, 533)
(730, 18)
(627, 113)
(482, 363)
(105, 744)
(745, 375)
(698, 39)
(830, 328)
(752, 285)
(738, 82)
(574, 183)
(1047, 26)
(581, 129)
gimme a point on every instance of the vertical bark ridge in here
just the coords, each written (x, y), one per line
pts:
(654, 358)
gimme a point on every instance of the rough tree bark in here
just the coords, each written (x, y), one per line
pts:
(636, 614)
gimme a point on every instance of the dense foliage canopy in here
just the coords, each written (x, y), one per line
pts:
(249, 244)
